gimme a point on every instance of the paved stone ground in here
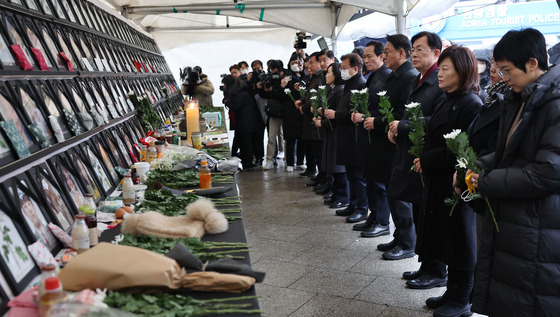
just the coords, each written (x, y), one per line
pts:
(315, 264)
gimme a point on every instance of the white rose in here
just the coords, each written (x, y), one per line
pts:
(382, 93)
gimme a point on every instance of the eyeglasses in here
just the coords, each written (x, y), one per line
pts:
(502, 73)
(419, 50)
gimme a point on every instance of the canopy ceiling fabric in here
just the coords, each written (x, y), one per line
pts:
(186, 19)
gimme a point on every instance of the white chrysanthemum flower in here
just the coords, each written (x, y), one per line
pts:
(287, 91)
(382, 93)
(453, 134)
(322, 87)
(462, 162)
(364, 91)
(313, 90)
(314, 98)
(355, 91)
(412, 105)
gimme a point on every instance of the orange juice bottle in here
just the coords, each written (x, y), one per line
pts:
(205, 175)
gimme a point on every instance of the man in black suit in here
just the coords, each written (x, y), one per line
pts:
(351, 73)
(405, 188)
(398, 87)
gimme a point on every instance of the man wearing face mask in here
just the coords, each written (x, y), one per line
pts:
(292, 118)
(351, 73)
(271, 88)
(244, 70)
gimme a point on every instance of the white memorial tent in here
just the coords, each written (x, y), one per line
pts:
(216, 33)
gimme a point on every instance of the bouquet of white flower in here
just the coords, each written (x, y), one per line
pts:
(359, 102)
(417, 131)
(315, 106)
(288, 92)
(323, 96)
(458, 143)
(385, 108)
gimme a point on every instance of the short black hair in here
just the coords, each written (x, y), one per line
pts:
(256, 61)
(359, 50)
(377, 47)
(316, 55)
(518, 46)
(243, 63)
(234, 66)
(434, 41)
(400, 41)
(327, 52)
(274, 64)
(355, 60)
(198, 69)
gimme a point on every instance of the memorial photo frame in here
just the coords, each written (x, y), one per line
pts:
(90, 182)
(100, 150)
(67, 178)
(17, 265)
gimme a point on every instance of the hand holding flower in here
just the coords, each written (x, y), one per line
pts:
(368, 123)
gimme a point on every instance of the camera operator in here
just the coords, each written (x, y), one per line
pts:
(252, 81)
(271, 87)
(198, 86)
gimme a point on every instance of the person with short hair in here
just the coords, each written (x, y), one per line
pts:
(517, 269)
(351, 73)
(446, 233)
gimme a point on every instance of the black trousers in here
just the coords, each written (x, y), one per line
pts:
(245, 142)
(295, 152)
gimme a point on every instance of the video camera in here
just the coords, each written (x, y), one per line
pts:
(300, 40)
(269, 80)
(189, 75)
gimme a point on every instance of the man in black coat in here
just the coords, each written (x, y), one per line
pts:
(405, 188)
(316, 75)
(366, 141)
(398, 87)
(351, 73)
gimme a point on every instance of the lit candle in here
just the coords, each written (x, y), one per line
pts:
(193, 119)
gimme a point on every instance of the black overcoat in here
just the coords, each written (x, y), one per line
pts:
(450, 239)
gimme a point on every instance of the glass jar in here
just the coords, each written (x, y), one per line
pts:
(80, 234)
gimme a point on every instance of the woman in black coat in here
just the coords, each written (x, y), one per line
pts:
(244, 107)
(441, 236)
(518, 272)
(335, 91)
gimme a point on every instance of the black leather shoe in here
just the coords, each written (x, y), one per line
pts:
(377, 231)
(338, 204)
(453, 309)
(438, 301)
(357, 216)
(412, 275)
(312, 184)
(328, 195)
(397, 253)
(306, 173)
(366, 225)
(426, 281)
(387, 246)
(344, 212)
(328, 201)
(322, 191)
(319, 187)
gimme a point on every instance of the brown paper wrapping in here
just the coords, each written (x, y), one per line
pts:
(115, 267)
(217, 282)
(118, 267)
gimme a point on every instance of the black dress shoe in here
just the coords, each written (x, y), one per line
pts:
(328, 195)
(377, 231)
(368, 224)
(338, 204)
(357, 216)
(344, 212)
(322, 191)
(397, 253)
(312, 184)
(328, 201)
(306, 173)
(426, 281)
(412, 275)
(319, 187)
(387, 246)
(438, 301)
(453, 309)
